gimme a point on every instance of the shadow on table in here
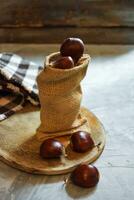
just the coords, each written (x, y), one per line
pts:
(78, 192)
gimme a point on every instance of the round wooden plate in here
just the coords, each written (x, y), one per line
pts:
(19, 146)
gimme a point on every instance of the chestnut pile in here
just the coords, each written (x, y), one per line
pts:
(71, 51)
(83, 175)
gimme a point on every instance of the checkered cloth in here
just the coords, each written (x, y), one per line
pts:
(17, 83)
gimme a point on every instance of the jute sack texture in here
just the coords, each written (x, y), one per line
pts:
(60, 96)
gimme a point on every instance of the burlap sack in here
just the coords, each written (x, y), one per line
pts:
(60, 97)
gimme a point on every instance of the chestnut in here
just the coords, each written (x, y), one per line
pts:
(51, 148)
(73, 47)
(85, 176)
(81, 141)
(63, 63)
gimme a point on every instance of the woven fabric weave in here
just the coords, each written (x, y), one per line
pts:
(17, 83)
(60, 96)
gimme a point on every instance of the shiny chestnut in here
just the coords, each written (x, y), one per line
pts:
(51, 148)
(63, 63)
(86, 176)
(81, 141)
(73, 47)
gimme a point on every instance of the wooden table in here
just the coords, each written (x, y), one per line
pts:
(109, 92)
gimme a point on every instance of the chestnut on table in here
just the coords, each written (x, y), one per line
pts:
(86, 176)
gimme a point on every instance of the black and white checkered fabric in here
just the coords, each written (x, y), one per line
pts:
(17, 83)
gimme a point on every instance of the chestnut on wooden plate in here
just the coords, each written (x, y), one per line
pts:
(51, 148)
(81, 142)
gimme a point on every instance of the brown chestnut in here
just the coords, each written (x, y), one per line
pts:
(73, 47)
(85, 176)
(63, 63)
(51, 148)
(81, 141)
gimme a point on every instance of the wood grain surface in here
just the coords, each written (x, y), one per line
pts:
(87, 13)
(57, 35)
(109, 92)
(39, 21)
(19, 146)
